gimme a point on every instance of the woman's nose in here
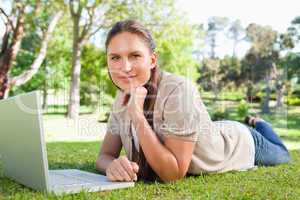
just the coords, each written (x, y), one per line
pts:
(127, 66)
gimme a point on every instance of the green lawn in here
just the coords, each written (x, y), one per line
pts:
(281, 182)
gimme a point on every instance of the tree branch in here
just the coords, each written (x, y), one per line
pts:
(28, 74)
(5, 39)
(7, 18)
(71, 6)
(95, 31)
(88, 26)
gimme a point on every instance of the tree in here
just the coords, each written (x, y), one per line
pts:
(211, 76)
(285, 42)
(260, 60)
(81, 33)
(215, 25)
(294, 29)
(88, 18)
(290, 63)
(230, 68)
(15, 29)
(236, 32)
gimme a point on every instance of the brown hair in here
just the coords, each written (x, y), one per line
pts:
(132, 26)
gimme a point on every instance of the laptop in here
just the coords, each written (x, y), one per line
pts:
(24, 156)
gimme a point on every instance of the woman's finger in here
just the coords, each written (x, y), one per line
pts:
(110, 176)
(118, 176)
(121, 171)
(127, 166)
(135, 167)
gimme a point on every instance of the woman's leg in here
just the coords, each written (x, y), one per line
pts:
(266, 130)
(266, 152)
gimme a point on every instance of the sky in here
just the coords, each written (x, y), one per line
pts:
(276, 13)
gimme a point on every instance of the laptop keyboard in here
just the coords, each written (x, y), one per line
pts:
(61, 179)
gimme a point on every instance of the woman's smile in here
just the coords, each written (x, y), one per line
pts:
(126, 78)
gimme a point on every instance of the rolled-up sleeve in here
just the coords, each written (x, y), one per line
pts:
(182, 110)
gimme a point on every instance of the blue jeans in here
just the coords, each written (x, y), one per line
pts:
(269, 149)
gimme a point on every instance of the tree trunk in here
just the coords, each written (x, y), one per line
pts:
(249, 92)
(9, 52)
(9, 56)
(74, 97)
(45, 88)
(279, 96)
(215, 87)
(33, 69)
(212, 48)
(45, 97)
(266, 100)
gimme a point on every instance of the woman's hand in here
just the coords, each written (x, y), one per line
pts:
(121, 169)
(135, 105)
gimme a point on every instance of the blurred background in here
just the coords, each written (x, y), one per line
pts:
(243, 55)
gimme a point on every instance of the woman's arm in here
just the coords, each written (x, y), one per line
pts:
(116, 168)
(110, 150)
(169, 160)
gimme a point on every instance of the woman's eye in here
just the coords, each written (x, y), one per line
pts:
(115, 58)
(136, 56)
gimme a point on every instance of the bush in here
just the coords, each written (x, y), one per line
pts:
(220, 113)
(296, 93)
(242, 109)
(292, 101)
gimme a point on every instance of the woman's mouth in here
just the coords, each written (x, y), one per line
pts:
(126, 77)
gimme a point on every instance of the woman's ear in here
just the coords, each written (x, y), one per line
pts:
(153, 61)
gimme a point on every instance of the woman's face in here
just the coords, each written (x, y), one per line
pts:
(129, 61)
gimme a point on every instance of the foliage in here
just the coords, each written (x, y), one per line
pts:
(294, 29)
(59, 56)
(219, 113)
(92, 59)
(24, 59)
(292, 101)
(230, 68)
(243, 109)
(33, 20)
(291, 62)
(174, 47)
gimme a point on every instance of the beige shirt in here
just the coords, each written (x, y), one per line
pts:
(220, 146)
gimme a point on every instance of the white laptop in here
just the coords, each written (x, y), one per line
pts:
(24, 156)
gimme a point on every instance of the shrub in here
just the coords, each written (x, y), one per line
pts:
(220, 113)
(242, 109)
(292, 101)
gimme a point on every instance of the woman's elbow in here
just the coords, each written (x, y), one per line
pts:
(173, 178)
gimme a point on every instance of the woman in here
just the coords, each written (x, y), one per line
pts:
(164, 127)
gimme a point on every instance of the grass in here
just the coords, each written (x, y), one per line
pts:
(285, 121)
(280, 182)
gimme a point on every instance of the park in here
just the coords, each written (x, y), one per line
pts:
(57, 48)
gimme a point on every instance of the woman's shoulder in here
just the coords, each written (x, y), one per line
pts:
(168, 77)
(171, 83)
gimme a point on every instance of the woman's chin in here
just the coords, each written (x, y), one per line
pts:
(129, 88)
